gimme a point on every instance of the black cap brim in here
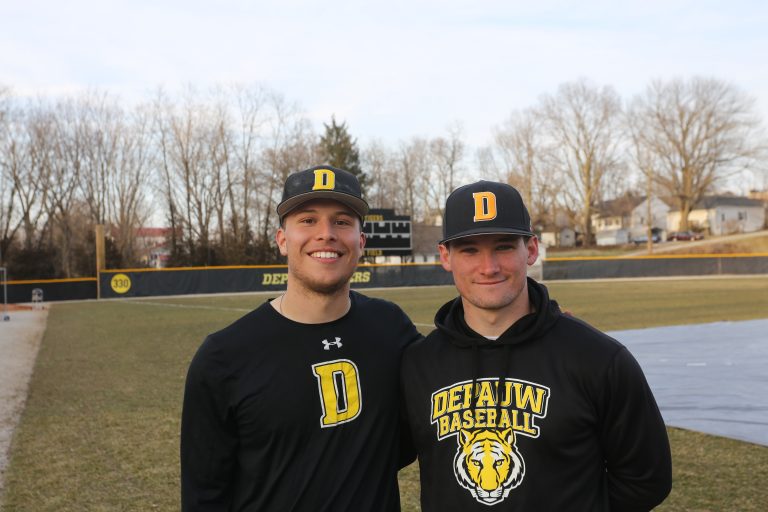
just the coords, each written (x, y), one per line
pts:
(359, 206)
(487, 231)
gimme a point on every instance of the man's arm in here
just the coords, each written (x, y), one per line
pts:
(408, 335)
(208, 440)
(634, 439)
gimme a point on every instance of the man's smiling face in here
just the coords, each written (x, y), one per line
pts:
(323, 241)
(490, 270)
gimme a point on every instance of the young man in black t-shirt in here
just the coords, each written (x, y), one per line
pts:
(294, 407)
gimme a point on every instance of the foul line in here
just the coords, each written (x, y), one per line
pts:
(218, 308)
(183, 306)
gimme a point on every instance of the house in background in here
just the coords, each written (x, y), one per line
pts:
(612, 221)
(152, 246)
(559, 231)
(761, 195)
(723, 215)
(612, 237)
(554, 236)
(615, 213)
(638, 224)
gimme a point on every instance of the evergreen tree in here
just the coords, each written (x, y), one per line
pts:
(339, 149)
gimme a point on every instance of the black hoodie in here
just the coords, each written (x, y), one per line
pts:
(554, 415)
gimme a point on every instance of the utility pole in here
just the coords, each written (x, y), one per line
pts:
(5, 288)
(100, 264)
(649, 213)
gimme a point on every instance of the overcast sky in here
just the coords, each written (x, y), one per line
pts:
(391, 70)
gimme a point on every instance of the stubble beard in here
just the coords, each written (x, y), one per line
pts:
(508, 298)
(309, 283)
(490, 303)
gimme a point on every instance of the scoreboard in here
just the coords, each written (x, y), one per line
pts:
(387, 233)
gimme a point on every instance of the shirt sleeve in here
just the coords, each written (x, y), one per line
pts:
(634, 439)
(208, 438)
(407, 448)
(408, 335)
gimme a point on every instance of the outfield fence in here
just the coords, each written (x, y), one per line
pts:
(182, 281)
(233, 279)
(655, 266)
(52, 289)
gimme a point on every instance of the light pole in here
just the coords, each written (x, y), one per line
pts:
(5, 288)
(649, 212)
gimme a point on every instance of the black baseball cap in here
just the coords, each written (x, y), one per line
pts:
(322, 182)
(485, 208)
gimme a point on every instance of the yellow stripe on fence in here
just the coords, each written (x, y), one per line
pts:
(44, 281)
(661, 257)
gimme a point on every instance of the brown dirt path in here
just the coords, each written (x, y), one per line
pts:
(19, 342)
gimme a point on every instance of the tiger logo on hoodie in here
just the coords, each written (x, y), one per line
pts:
(488, 464)
(486, 416)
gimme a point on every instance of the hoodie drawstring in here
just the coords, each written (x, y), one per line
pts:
(475, 373)
(502, 385)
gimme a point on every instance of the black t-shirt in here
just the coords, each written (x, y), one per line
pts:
(283, 416)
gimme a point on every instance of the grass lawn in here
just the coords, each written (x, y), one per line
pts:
(587, 252)
(750, 245)
(100, 430)
(734, 244)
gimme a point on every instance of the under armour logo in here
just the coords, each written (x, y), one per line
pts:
(327, 344)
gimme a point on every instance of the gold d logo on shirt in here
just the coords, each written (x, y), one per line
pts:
(325, 179)
(485, 206)
(339, 385)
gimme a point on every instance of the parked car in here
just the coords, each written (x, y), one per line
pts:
(684, 235)
(643, 239)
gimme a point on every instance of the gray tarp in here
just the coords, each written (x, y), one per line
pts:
(711, 378)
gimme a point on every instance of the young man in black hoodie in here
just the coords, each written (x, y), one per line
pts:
(295, 407)
(514, 405)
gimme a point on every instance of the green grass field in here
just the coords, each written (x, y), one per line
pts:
(100, 430)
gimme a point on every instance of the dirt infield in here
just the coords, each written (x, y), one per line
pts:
(19, 342)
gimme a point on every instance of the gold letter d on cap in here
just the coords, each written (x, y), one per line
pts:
(325, 179)
(485, 206)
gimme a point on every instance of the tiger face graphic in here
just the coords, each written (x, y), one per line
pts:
(488, 464)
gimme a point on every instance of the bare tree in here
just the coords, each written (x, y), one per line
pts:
(694, 134)
(289, 145)
(237, 151)
(487, 163)
(7, 188)
(519, 144)
(447, 155)
(583, 122)
(26, 146)
(527, 162)
(99, 131)
(128, 189)
(115, 167)
(377, 160)
(64, 163)
(223, 159)
(185, 132)
(223, 181)
(412, 166)
(220, 162)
